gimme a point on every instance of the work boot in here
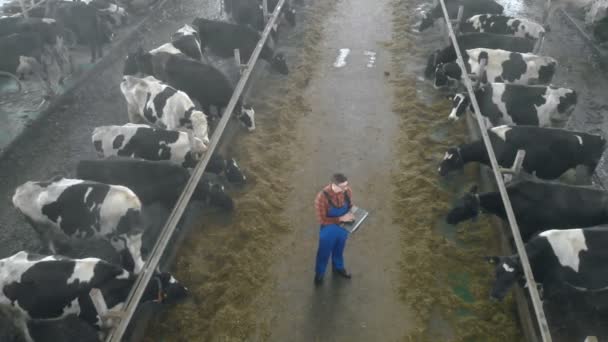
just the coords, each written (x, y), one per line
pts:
(318, 281)
(342, 273)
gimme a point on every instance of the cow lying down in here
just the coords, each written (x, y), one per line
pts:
(538, 206)
(518, 104)
(489, 65)
(64, 209)
(549, 152)
(53, 287)
(571, 259)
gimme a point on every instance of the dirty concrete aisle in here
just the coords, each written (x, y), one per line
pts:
(350, 129)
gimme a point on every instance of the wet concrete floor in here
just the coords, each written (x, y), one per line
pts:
(350, 129)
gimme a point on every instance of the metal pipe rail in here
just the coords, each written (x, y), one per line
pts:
(26, 10)
(151, 264)
(536, 302)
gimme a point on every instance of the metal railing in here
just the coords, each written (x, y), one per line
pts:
(497, 170)
(167, 232)
(25, 11)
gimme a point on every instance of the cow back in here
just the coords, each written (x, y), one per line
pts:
(150, 181)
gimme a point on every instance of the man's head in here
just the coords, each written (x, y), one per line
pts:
(339, 182)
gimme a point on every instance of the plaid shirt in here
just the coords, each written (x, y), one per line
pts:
(322, 205)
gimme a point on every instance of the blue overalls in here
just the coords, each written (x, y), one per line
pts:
(332, 238)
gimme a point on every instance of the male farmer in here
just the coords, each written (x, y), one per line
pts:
(333, 206)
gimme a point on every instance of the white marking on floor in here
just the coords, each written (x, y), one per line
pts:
(341, 59)
(372, 58)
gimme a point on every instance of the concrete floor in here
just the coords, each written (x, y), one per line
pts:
(351, 129)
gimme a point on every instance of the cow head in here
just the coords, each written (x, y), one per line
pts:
(451, 161)
(567, 102)
(234, 174)
(129, 247)
(247, 118)
(105, 27)
(218, 197)
(427, 21)
(214, 194)
(431, 64)
(279, 64)
(460, 102)
(446, 72)
(163, 288)
(290, 16)
(508, 271)
(466, 208)
(138, 62)
(595, 145)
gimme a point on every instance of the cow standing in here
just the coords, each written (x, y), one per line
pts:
(538, 206)
(223, 38)
(571, 259)
(62, 209)
(201, 82)
(156, 103)
(90, 26)
(504, 25)
(52, 287)
(494, 65)
(549, 152)
(154, 181)
(518, 104)
(145, 142)
(476, 40)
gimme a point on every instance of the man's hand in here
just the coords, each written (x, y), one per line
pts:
(348, 217)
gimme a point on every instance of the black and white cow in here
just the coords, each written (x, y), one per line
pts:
(538, 206)
(62, 209)
(476, 40)
(223, 38)
(154, 181)
(571, 260)
(52, 287)
(149, 143)
(202, 82)
(518, 104)
(187, 40)
(471, 7)
(502, 24)
(549, 152)
(494, 65)
(153, 102)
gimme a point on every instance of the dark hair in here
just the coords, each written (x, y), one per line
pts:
(338, 178)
